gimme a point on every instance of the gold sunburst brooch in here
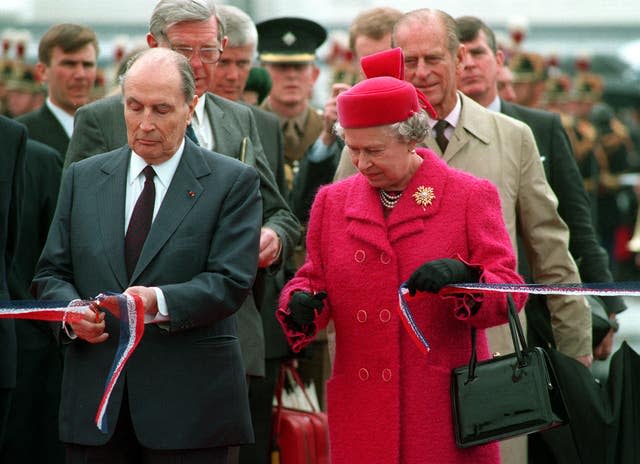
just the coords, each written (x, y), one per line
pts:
(424, 196)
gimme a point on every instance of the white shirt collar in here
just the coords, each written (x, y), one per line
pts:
(495, 105)
(199, 111)
(164, 171)
(452, 118)
(64, 118)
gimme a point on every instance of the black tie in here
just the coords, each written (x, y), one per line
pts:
(140, 222)
(192, 134)
(442, 140)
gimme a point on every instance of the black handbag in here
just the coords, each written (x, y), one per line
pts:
(505, 396)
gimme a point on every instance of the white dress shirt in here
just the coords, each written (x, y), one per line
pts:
(202, 126)
(64, 118)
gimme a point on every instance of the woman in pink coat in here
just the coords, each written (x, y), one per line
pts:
(406, 217)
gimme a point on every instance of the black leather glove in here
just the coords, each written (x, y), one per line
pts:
(303, 306)
(432, 276)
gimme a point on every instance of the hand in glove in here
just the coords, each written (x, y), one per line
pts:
(304, 305)
(432, 276)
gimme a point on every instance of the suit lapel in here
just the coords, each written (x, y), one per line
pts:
(110, 194)
(472, 123)
(58, 137)
(224, 133)
(183, 193)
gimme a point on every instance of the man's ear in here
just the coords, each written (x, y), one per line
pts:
(500, 58)
(151, 41)
(315, 72)
(42, 72)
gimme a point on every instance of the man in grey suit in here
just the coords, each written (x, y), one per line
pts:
(178, 226)
(193, 29)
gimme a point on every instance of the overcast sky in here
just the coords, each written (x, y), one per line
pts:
(336, 11)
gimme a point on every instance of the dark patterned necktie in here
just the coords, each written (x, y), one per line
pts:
(441, 139)
(140, 222)
(192, 134)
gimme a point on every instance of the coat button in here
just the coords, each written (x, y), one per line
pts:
(363, 374)
(386, 375)
(385, 258)
(361, 316)
(359, 256)
(385, 315)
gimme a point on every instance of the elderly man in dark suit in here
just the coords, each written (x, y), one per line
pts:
(193, 29)
(67, 63)
(14, 137)
(179, 226)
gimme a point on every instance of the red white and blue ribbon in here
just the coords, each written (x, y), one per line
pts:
(599, 289)
(129, 309)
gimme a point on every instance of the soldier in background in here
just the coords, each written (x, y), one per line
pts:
(529, 76)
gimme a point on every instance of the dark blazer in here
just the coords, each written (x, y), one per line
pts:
(100, 127)
(44, 127)
(186, 386)
(12, 152)
(573, 205)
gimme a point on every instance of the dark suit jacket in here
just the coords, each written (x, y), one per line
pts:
(12, 148)
(269, 284)
(100, 127)
(186, 386)
(44, 127)
(573, 204)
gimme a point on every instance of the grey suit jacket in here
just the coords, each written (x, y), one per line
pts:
(186, 386)
(44, 127)
(498, 148)
(100, 127)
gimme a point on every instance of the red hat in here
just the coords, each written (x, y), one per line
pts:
(391, 63)
(377, 102)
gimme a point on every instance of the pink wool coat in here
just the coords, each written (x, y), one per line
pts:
(387, 402)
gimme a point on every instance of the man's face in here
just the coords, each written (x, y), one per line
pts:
(70, 77)
(155, 111)
(231, 74)
(196, 35)
(365, 46)
(429, 65)
(505, 84)
(478, 78)
(292, 83)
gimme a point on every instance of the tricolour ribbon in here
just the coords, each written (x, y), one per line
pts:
(129, 309)
(599, 288)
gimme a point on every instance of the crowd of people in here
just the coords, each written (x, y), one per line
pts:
(257, 229)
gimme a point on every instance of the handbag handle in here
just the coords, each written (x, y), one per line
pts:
(517, 336)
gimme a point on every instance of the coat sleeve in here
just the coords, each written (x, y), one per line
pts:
(491, 253)
(310, 278)
(546, 240)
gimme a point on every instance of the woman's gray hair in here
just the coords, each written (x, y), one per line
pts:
(182, 64)
(239, 27)
(414, 129)
(170, 12)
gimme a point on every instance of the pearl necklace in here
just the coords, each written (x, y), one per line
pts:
(389, 199)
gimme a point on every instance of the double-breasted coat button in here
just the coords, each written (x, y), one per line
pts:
(386, 375)
(385, 315)
(385, 258)
(361, 316)
(363, 374)
(359, 256)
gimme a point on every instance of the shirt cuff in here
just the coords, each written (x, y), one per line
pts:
(163, 312)
(319, 151)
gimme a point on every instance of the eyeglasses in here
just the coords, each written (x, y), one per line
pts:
(208, 55)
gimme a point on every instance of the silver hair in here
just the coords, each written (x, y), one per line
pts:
(414, 129)
(164, 54)
(239, 27)
(170, 12)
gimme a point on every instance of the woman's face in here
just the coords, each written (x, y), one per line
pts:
(380, 156)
